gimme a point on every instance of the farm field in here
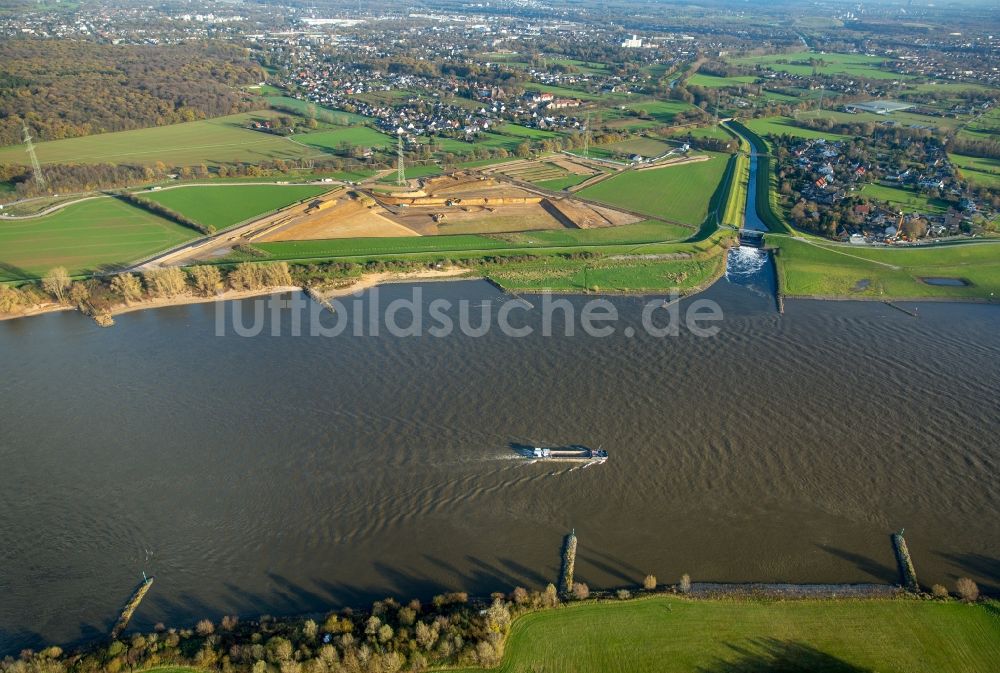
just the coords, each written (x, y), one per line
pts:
(906, 200)
(713, 82)
(831, 270)
(321, 112)
(846, 64)
(349, 135)
(672, 635)
(680, 193)
(661, 111)
(101, 233)
(223, 140)
(902, 117)
(222, 206)
(779, 126)
(978, 170)
(647, 147)
(986, 127)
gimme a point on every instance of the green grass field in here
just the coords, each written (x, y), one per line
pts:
(986, 127)
(832, 270)
(88, 236)
(661, 111)
(647, 147)
(713, 82)
(679, 193)
(223, 140)
(566, 182)
(671, 635)
(907, 200)
(221, 206)
(604, 275)
(834, 64)
(978, 170)
(780, 126)
(349, 135)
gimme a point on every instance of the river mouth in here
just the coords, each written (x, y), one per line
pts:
(945, 281)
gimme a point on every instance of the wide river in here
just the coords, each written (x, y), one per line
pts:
(295, 474)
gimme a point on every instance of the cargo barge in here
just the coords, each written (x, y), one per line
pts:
(579, 454)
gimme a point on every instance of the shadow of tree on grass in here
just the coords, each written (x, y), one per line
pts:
(770, 655)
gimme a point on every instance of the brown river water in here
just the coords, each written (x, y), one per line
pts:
(288, 474)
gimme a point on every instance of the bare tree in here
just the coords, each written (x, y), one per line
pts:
(966, 589)
(649, 582)
(580, 591)
(939, 591)
(685, 585)
(79, 294)
(167, 282)
(204, 628)
(128, 286)
(207, 279)
(56, 281)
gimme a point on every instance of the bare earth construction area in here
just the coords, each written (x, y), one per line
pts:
(461, 203)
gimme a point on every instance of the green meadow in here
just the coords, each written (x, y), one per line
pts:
(679, 193)
(784, 126)
(222, 206)
(212, 142)
(713, 82)
(813, 268)
(870, 67)
(978, 170)
(101, 233)
(907, 200)
(672, 635)
(349, 135)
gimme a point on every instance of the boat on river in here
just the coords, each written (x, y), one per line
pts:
(574, 453)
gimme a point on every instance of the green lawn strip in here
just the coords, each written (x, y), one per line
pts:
(812, 268)
(222, 206)
(94, 235)
(669, 635)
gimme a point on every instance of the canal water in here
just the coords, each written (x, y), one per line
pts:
(284, 474)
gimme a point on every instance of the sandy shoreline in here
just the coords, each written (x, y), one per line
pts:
(371, 280)
(362, 283)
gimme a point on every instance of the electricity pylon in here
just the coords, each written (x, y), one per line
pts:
(35, 166)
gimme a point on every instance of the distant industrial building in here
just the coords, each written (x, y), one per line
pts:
(634, 43)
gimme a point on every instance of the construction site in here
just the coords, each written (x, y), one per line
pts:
(463, 202)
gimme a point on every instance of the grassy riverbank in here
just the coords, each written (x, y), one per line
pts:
(666, 634)
(816, 268)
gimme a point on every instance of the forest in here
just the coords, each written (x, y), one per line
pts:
(64, 88)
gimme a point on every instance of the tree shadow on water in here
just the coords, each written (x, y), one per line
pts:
(770, 655)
